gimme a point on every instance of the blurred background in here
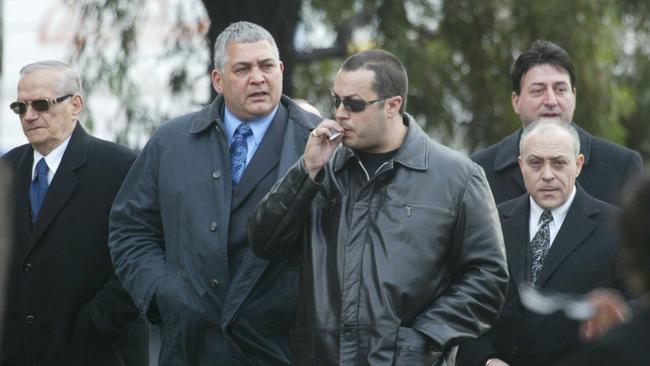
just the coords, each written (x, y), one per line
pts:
(144, 61)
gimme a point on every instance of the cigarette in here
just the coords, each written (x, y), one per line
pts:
(334, 135)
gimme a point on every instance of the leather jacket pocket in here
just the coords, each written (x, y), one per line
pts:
(414, 348)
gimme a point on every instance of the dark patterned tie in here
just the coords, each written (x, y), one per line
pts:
(540, 245)
(38, 188)
(238, 152)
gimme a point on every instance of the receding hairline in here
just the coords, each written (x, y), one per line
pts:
(541, 127)
(68, 81)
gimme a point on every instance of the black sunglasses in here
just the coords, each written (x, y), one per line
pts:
(353, 105)
(39, 105)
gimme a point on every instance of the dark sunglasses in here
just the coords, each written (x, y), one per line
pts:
(353, 105)
(39, 105)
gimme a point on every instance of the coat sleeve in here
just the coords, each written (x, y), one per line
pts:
(276, 228)
(136, 240)
(476, 291)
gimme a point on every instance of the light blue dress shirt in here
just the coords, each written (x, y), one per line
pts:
(258, 126)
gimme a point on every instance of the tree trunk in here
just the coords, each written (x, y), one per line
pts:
(278, 17)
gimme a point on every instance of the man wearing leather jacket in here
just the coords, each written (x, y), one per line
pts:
(403, 257)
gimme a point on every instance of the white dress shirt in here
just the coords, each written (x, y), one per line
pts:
(559, 214)
(53, 160)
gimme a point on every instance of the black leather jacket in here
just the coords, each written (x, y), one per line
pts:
(398, 268)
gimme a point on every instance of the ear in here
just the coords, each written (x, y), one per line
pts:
(216, 81)
(515, 102)
(579, 162)
(393, 104)
(77, 103)
(520, 160)
(281, 67)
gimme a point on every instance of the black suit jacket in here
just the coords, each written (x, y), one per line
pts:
(582, 257)
(606, 169)
(64, 305)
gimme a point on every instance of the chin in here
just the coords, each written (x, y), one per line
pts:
(261, 110)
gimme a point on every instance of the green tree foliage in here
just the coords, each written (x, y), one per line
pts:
(459, 53)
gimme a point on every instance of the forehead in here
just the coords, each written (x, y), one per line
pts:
(553, 143)
(38, 83)
(249, 52)
(358, 82)
(545, 74)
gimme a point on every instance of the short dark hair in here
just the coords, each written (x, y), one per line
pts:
(390, 74)
(634, 218)
(541, 52)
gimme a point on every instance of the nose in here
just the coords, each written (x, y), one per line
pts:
(550, 98)
(257, 76)
(30, 113)
(341, 113)
(547, 172)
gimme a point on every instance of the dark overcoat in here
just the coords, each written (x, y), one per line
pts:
(175, 221)
(64, 305)
(581, 258)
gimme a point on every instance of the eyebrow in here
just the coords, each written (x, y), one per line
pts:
(557, 157)
(541, 83)
(347, 96)
(246, 63)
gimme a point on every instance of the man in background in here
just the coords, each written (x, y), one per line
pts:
(544, 86)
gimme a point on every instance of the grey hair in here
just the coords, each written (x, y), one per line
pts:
(545, 125)
(240, 32)
(69, 81)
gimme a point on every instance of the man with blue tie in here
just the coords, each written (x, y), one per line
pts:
(64, 304)
(177, 228)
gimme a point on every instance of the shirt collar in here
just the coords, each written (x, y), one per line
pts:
(258, 126)
(53, 159)
(559, 213)
(413, 153)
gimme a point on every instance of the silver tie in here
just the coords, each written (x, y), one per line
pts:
(540, 245)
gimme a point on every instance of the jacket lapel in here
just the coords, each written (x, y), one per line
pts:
(63, 184)
(265, 159)
(515, 233)
(576, 227)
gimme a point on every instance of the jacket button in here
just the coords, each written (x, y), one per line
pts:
(514, 350)
(216, 174)
(30, 319)
(213, 227)
(27, 267)
(214, 283)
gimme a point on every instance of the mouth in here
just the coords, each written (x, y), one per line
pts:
(258, 95)
(550, 115)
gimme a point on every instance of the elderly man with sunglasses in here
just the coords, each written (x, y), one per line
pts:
(64, 305)
(403, 257)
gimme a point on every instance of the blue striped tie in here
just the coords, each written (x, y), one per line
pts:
(38, 188)
(238, 152)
